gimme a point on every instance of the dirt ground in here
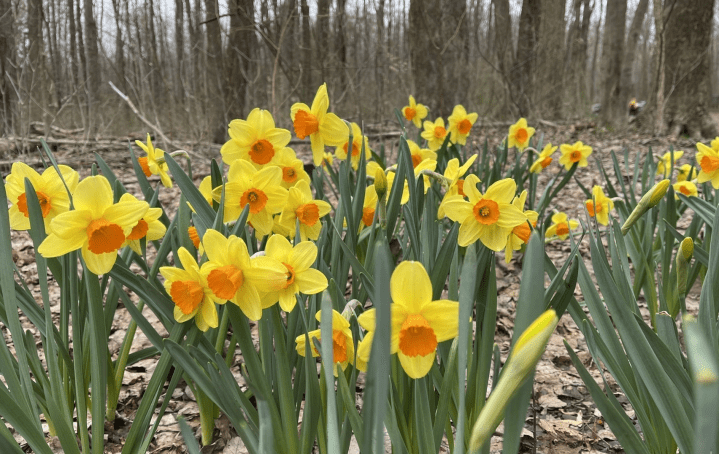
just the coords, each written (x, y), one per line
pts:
(564, 419)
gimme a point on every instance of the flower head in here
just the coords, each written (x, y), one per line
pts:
(419, 154)
(687, 172)
(561, 226)
(599, 205)
(434, 133)
(370, 203)
(574, 153)
(460, 124)
(302, 207)
(544, 159)
(256, 139)
(519, 135)
(664, 166)
(154, 163)
(149, 226)
(343, 350)
(520, 234)
(49, 188)
(454, 173)
(708, 159)
(687, 188)
(415, 112)
(293, 169)
(358, 141)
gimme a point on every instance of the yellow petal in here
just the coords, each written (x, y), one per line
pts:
(416, 366)
(54, 246)
(303, 255)
(98, 263)
(93, 194)
(278, 247)
(311, 281)
(443, 317)
(410, 286)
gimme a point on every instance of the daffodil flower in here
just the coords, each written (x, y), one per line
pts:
(188, 289)
(419, 154)
(544, 159)
(434, 133)
(664, 166)
(521, 233)
(343, 350)
(293, 169)
(708, 159)
(302, 207)
(299, 277)
(687, 188)
(574, 153)
(256, 139)
(600, 205)
(149, 227)
(50, 191)
(453, 173)
(322, 127)
(687, 172)
(154, 163)
(233, 276)
(519, 135)
(96, 225)
(428, 165)
(561, 226)
(460, 124)
(489, 217)
(370, 205)
(415, 112)
(358, 140)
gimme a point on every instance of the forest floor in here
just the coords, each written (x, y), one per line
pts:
(564, 419)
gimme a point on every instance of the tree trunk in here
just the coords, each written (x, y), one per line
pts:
(523, 73)
(455, 57)
(613, 108)
(216, 117)
(239, 55)
(686, 69)
(550, 56)
(179, 50)
(323, 37)
(8, 53)
(628, 89)
(73, 44)
(306, 51)
(425, 59)
(119, 47)
(94, 70)
(341, 41)
(379, 58)
(503, 47)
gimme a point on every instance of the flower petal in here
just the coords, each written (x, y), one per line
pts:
(93, 194)
(443, 317)
(410, 286)
(416, 366)
(98, 263)
(311, 281)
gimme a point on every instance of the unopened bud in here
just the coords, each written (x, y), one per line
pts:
(380, 183)
(649, 200)
(687, 248)
(684, 255)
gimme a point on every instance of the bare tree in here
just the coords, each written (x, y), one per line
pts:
(8, 98)
(425, 39)
(550, 56)
(612, 53)
(630, 49)
(216, 110)
(525, 63)
(94, 70)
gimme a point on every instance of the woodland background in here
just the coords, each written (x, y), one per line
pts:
(191, 66)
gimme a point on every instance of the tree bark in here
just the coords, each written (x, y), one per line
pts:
(323, 37)
(94, 70)
(119, 47)
(216, 117)
(504, 50)
(628, 89)
(8, 53)
(179, 50)
(550, 55)
(523, 72)
(613, 108)
(306, 51)
(425, 58)
(341, 40)
(239, 55)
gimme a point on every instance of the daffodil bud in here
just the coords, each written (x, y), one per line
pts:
(380, 183)
(684, 256)
(649, 200)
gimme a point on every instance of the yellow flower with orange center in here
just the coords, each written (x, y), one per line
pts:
(299, 276)
(687, 188)
(302, 207)
(519, 135)
(256, 139)
(418, 323)
(260, 189)
(415, 112)
(434, 133)
(322, 127)
(520, 234)
(561, 226)
(149, 227)
(489, 217)
(97, 225)
(293, 169)
(460, 124)
(188, 289)
(343, 349)
(427, 164)
(419, 154)
(154, 163)
(664, 166)
(599, 205)
(544, 159)
(370, 205)
(708, 159)
(358, 141)
(577, 153)
(455, 184)
(687, 172)
(233, 276)
(49, 188)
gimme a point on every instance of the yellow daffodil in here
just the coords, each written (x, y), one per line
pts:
(664, 166)
(519, 135)
(489, 217)
(427, 164)
(293, 169)
(187, 287)
(520, 234)
(460, 124)
(206, 189)
(327, 160)
(561, 226)
(154, 163)
(708, 159)
(574, 153)
(195, 238)
(415, 112)
(256, 139)
(390, 183)
(96, 225)
(600, 206)
(322, 127)
(260, 189)
(299, 277)
(51, 193)
(434, 133)
(364, 347)
(687, 172)
(370, 205)
(544, 159)
(455, 184)
(687, 188)
(148, 227)
(343, 349)
(358, 141)
(302, 207)
(233, 276)
(419, 154)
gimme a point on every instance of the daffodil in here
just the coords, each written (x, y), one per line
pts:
(415, 112)
(50, 191)
(195, 238)
(188, 289)
(233, 276)
(419, 154)
(453, 173)
(302, 207)
(364, 348)
(687, 188)
(154, 163)
(687, 172)
(97, 225)
(434, 133)
(600, 205)
(322, 127)
(460, 124)
(256, 139)
(428, 164)
(370, 205)
(149, 226)
(544, 159)
(358, 141)
(561, 226)
(574, 153)
(708, 159)
(299, 276)
(327, 160)
(520, 234)
(293, 169)
(489, 217)
(664, 166)
(519, 135)
(343, 349)
(260, 189)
